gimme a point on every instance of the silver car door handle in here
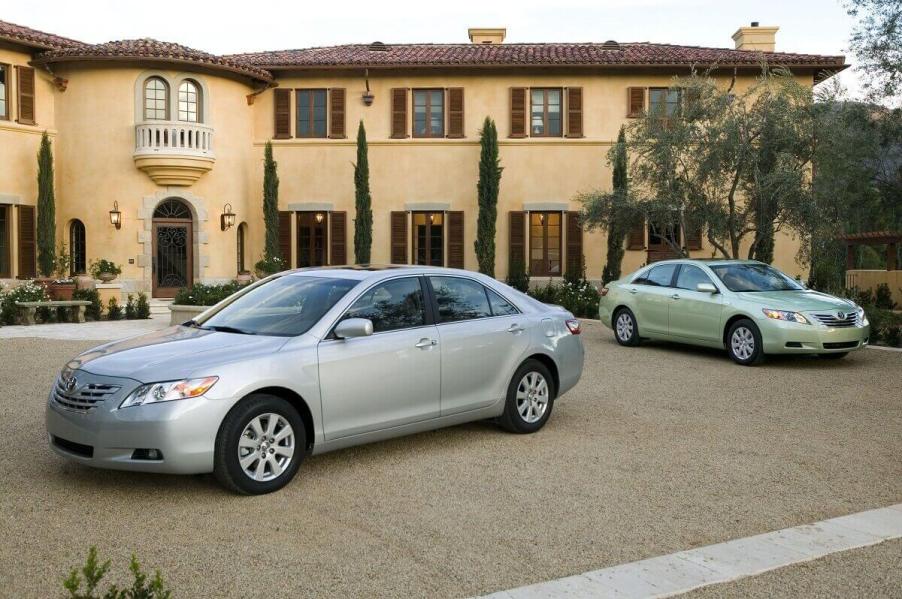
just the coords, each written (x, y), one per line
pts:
(675, 296)
(424, 343)
(514, 328)
(634, 290)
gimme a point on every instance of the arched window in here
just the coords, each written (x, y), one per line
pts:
(77, 255)
(156, 100)
(190, 102)
(172, 209)
(242, 240)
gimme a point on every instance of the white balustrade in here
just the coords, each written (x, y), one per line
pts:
(173, 138)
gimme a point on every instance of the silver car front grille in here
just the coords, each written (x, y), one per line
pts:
(832, 319)
(82, 398)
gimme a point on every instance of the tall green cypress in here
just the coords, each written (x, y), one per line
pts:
(363, 222)
(619, 225)
(46, 233)
(271, 206)
(487, 189)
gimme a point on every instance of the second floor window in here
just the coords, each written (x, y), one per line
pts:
(156, 100)
(4, 76)
(189, 102)
(428, 113)
(545, 114)
(663, 102)
(311, 113)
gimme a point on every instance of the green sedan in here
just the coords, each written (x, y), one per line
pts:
(747, 307)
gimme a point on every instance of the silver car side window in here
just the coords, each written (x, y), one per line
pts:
(459, 299)
(395, 304)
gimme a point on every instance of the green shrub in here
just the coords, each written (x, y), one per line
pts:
(142, 307)
(883, 297)
(113, 309)
(518, 278)
(93, 572)
(103, 265)
(886, 325)
(90, 295)
(270, 265)
(201, 294)
(578, 296)
(130, 312)
(28, 292)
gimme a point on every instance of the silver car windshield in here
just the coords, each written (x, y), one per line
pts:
(754, 277)
(284, 307)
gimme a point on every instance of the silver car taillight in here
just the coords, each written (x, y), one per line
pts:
(573, 326)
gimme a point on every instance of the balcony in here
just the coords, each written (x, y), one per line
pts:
(174, 153)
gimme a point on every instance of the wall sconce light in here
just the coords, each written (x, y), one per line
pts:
(319, 217)
(367, 95)
(116, 216)
(227, 220)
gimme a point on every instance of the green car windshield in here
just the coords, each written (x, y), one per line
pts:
(754, 277)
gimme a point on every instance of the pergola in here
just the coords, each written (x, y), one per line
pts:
(890, 238)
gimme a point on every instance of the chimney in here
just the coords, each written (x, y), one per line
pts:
(756, 38)
(487, 35)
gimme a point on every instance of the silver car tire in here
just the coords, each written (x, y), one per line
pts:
(626, 329)
(530, 398)
(744, 343)
(260, 445)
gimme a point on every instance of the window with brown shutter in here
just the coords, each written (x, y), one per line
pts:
(337, 113)
(285, 238)
(338, 238)
(282, 113)
(636, 238)
(398, 253)
(25, 90)
(456, 112)
(27, 250)
(399, 112)
(5, 266)
(518, 112)
(516, 255)
(574, 256)
(4, 92)
(455, 239)
(574, 112)
(694, 239)
(635, 101)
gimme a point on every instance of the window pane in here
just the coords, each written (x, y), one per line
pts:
(419, 98)
(500, 306)
(3, 112)
(4, 242)
(661, 275)
(690, 276)
(393, 305)
(459, 299)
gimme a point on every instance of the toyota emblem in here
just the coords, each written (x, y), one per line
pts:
(841, 315)
(70, 384)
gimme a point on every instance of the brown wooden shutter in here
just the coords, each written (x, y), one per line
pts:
(337, 113)
(518, 112)
(574, 257)
(27, 249)
(399, 112)
(338, 238)
(694, 239)
(635, 101)
(285, 238)
(517, 249)
(636, 238)
(456, 239)
(282, 117)
(25, 87)
(398, 238)
(455, 112)
(574, 112)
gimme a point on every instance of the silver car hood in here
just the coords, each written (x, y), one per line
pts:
(174, 353)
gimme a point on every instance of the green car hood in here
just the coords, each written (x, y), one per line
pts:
(798, 301)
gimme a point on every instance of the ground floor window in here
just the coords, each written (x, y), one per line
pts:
(242, 240)
(311, 239)
(77, 253)
(5, 270)
(429, 238)
(545, 244)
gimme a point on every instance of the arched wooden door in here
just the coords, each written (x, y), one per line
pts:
(173, 243)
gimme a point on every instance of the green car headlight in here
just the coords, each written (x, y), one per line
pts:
(784, 315)
(862, 317)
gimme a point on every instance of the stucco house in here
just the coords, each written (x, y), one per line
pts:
(166, 140)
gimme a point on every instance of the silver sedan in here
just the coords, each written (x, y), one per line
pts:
(313, 360)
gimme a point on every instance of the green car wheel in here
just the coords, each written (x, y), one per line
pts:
(744, 343)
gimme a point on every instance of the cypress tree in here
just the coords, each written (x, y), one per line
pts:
(487, 193)
(363, 222)
(271, 206)
(46, 231)
(619, 226)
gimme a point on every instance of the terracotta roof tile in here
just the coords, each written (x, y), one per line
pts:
(563, 54)
(34, 38)
(154, 50)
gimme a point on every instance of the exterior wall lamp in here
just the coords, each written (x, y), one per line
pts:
(319, 217)
(227, 220)
(116, 216)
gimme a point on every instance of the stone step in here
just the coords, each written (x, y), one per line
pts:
(159, 305)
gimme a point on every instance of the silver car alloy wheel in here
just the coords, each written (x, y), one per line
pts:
(743, 343)
(624, 326)
(532, 397)
(266, 447)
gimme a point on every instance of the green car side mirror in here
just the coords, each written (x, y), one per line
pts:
(706, 288)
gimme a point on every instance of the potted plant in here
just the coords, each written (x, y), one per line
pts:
(62, 286)
(244, 277)
(105, 270)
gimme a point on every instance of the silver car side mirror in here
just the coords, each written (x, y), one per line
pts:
(354, 327)
(706, 288)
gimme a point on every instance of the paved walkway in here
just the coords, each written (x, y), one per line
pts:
(89, 331)
(684, 571)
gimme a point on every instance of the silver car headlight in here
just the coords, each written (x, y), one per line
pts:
(168, 391)
(784, 315)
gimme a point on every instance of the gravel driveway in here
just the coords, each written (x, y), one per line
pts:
(660, 448)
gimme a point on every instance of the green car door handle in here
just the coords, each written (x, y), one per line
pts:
(675, 296)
